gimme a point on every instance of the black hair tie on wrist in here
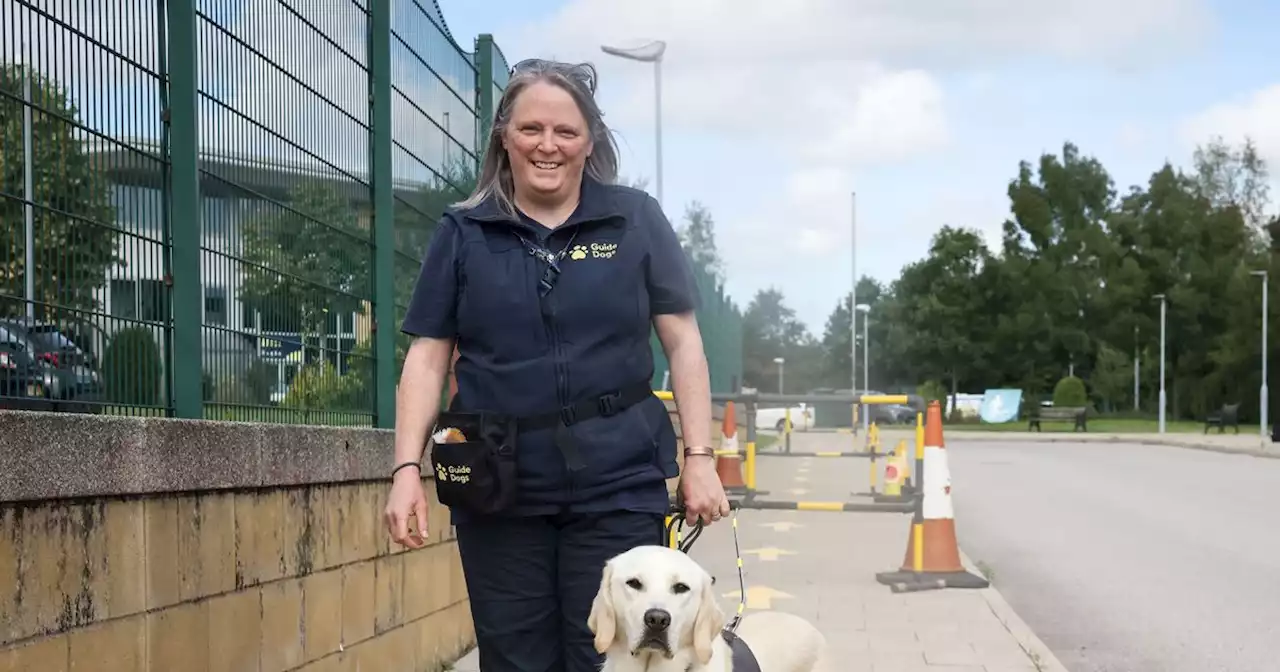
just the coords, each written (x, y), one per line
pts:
(406, 464)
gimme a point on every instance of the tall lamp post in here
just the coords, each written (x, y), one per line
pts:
(866, 361)
(649, 53)
(779, 361)
(1262, 391)
(1162, 400)
(853, 300)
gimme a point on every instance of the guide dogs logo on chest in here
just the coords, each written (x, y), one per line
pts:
(594, 251)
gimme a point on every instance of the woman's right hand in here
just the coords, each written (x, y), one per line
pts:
(407, 500)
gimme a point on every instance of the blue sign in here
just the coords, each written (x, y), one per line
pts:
(1000, 405)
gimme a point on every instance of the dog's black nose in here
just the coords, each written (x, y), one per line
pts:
(657, 619)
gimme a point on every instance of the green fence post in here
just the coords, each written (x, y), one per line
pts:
(384, 237)
(185, 297)
(486, 102)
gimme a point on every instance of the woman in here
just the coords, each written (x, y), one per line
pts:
(548, 279)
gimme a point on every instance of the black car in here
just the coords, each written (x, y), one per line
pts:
(23, 374)
(75, 370)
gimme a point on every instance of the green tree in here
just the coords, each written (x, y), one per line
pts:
(770, 330)
(73, 219)
(1112, 377)
(837, 348)
(1239, 177)
(306, 258)
(940, 314)
(1057, 233)
(698, 238)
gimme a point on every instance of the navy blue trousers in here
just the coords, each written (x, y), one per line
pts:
(532, 580)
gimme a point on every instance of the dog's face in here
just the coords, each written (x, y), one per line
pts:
(656, 600)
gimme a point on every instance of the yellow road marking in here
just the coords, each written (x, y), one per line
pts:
(769, 554)
(759, 597)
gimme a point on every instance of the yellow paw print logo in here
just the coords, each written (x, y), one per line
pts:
(578, 252)
(441, 474)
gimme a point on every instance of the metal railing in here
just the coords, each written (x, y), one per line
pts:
(203, 219)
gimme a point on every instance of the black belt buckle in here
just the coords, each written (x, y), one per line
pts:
(609, 404)
(568, 415)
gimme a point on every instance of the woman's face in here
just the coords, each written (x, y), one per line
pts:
(547, 141)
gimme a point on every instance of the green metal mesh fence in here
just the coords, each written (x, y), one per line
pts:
(720, 321)
(218, 208)
(109, 258)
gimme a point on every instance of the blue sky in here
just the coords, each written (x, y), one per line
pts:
(773, 112)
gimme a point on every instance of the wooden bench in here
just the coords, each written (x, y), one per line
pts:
(1076, 414)
(1229, 414)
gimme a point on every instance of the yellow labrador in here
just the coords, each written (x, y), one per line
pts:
(656, 611)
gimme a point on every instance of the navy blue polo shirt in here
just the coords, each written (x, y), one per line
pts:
(525, 354)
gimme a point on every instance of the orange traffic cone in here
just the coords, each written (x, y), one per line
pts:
(933, 556)
(728, 459)
(895, 476)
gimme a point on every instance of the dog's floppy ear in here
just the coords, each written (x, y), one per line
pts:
(603, 621)
(707, 624)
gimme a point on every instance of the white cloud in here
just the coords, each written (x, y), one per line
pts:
(825, 112)
(1256, 115)
(737, 33)
(826, 89)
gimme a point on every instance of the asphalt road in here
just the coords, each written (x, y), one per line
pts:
(1129, 558)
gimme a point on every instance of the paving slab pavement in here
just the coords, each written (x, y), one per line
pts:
(822, 566)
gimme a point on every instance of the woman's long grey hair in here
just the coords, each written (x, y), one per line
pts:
(580, 81)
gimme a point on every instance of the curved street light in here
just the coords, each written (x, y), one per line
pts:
(649, 53)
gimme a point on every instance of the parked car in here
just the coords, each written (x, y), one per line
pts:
(75, 371)
(775, 418)
(893, 414)
(23, 375)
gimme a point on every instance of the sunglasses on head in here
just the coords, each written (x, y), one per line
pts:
(583, 73)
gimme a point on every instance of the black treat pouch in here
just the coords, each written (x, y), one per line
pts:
(478, 474)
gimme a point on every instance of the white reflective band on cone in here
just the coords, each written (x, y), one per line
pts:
(937, 485)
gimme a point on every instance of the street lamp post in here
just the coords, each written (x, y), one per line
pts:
(779, 361)
(853, 300)
(649, 53)
(865, 309)
(1164, 301)
(1262, 391)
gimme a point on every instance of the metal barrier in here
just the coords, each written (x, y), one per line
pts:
(750, 496)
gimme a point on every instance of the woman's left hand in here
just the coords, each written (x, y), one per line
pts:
(702, 491)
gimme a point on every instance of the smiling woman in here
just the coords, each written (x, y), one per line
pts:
(549, 280)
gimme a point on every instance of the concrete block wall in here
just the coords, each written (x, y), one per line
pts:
(156, 545)
(148, 545)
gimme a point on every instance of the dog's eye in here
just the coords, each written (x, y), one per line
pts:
(635, 584)
(680, 588)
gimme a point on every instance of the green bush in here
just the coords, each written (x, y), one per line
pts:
(251, 386)
(131, 368)
(932, 390)
(1070, 391)
(319, 386)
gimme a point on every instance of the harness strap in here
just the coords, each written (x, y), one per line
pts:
(743, 659)
(604, 405)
